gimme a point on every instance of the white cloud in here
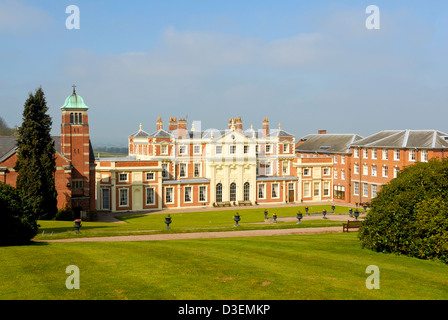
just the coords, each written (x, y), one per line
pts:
(211, 77)
(18, 18)
(297, 51)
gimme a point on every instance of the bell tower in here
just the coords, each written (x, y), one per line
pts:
(75, 146)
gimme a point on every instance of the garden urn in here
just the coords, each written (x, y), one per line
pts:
(168, 222)
(299, 217)
(236, 218)
(78, 225)
(356, 214)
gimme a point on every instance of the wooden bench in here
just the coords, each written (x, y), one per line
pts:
(223, 204)
(351, 225)
(244, 203)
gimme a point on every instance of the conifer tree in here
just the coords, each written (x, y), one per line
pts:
(36, 163)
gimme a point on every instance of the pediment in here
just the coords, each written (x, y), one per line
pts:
(233, 136)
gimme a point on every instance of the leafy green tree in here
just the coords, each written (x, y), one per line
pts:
(18, 223)
(410, 214)
(36, 164)
(4, 129)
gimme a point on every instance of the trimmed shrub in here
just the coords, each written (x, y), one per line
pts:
(65, 214)
(17, 220)
(410, 215)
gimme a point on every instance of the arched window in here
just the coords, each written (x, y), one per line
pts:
(233, 191)
(71, 117)
(76, 118)
(80, 118)
(219, 192)
(247, 191)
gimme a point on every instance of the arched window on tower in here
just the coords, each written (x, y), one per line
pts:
(80, 118)
(76, 118)
(71, 117)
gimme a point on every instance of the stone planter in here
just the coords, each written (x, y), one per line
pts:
(237, 219)
(168, 222)
(78, 225)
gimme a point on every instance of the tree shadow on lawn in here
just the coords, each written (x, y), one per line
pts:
(49, 230)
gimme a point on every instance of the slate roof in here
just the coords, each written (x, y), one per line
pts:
(279, 133)
(405, 139)
(249, 133)
(8, 147)
(327, 143)
(139, 133)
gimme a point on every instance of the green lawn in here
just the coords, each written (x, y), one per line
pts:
(186, 222)
(320, 266)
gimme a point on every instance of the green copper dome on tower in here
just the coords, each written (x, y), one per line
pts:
(74, 101)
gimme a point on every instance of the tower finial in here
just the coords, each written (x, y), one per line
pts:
(140, 127)
(74, 90)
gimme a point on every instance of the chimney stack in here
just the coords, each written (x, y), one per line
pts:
(181, 128)
(322, 131)
(265, 127)
(231, 123)
(159, 123)
(238, 124)
(172, 124)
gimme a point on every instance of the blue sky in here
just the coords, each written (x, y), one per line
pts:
(307, 64)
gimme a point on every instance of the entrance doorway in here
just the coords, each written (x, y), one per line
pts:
(105, 193)
(291, 192)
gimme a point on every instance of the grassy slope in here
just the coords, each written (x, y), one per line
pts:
(327, 266)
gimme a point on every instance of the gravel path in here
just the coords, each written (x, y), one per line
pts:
(105, 217)
(206, 235)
